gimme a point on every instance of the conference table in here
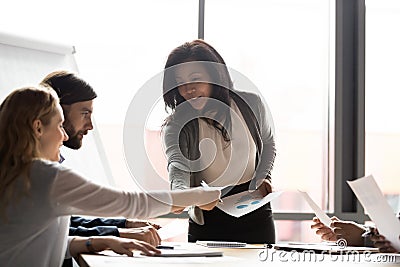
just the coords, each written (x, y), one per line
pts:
(251, 255)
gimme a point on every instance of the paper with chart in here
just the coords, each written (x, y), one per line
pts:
(245, 202)
(317, 210)
(371, 198)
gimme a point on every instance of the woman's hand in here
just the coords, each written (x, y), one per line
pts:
(117, 244)
(147, 234)
(209, 206)
(178, 210)
(205, 198)
(126, 246)
(265, 187)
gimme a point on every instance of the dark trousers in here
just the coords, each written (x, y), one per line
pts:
(67, 263)
(256, 227)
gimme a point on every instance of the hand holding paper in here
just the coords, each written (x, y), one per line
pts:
(378, 209)
(317, 210)
(245, 202)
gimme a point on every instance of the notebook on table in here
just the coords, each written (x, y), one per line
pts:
(221, 244)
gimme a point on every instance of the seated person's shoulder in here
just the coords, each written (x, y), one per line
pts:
(45, 165)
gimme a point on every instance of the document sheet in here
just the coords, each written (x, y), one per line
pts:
(245, 202)
(317, 210)
(371, 198)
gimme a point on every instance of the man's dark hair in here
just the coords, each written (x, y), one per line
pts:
(69, 87)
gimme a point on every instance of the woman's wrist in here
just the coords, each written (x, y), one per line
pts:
(89, 245)
(100, 243)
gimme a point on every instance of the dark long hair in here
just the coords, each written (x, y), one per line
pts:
(200, 51)
(69, 87)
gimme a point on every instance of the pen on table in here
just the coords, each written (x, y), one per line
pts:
(165, 247)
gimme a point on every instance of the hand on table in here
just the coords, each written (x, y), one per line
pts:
(147, 234)
(119, 245)
(125, 246)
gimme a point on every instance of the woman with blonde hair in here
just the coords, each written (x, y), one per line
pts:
(34, 185)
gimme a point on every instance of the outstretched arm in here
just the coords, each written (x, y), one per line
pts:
(73, 194)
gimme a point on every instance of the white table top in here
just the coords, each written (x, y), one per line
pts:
(244, 257)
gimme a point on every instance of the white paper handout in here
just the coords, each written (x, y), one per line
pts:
(371, 198)
(172, 229)
(317, 210)
(245, 202)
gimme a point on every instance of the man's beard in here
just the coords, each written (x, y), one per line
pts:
(73, 142)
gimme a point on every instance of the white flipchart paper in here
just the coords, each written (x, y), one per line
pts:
(371, 198)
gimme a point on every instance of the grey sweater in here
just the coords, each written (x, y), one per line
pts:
(182, 146)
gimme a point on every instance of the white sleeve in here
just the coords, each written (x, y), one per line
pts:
(73, 194)
(67, 252)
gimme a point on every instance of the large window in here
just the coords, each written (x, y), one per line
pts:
(382, 94)
(284, 48)
(119, 47)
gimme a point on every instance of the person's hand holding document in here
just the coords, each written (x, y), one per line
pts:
(378, 209)
(317, 210)
(245, 202)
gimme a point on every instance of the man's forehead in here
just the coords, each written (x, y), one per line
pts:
(84, 105)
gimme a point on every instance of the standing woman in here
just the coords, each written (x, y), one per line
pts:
(37, 194)
(218, 135)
